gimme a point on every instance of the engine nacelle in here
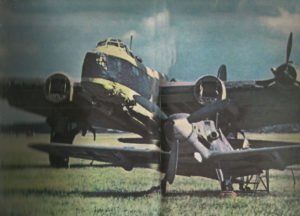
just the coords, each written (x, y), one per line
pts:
(58, 88)
(285, 75)
(209, 89)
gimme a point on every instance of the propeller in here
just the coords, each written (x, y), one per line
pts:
(152, 107)
(173, 142)
(286, 74)
(178, 127)
(214, 108)
(182, 129)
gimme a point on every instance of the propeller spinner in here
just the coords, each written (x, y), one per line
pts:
(286, 74)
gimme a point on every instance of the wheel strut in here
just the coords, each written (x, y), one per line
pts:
(59, 160)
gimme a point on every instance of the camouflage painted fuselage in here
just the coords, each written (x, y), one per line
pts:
(111, 77)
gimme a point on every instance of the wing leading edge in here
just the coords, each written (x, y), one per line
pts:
(235, 163)
(239, 161)
(126, 157)
(26, 94)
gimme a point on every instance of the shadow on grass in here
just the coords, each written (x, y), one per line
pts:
(217, 193)
(133, 194)
(57, 193)
(201, 193)
(45, 166)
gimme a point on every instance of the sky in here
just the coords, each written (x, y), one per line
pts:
(184, 39)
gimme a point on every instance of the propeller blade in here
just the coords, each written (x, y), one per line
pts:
(152, 107)
(222, 72)
(289, 47)
(173, 161)
(211, 109)
(173, 133)
(298, 83)
(265, 83)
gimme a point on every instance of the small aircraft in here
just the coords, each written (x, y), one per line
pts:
(195, 123)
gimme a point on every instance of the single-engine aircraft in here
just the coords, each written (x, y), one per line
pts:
(196, 123)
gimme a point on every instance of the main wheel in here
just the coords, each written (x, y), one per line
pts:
(57, 161)
(163, 187)
(60, 161)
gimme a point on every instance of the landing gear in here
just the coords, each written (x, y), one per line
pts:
(67, 137)
(57, 161)
(163, 187)
(226, 184)
(255, 180)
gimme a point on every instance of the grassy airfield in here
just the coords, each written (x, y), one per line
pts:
(28, 186)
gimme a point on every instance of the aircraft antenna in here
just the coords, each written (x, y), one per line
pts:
(131, 38)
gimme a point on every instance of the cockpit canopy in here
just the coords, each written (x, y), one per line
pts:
(116, 43)
(111, 41)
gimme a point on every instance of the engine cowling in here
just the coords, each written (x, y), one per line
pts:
(58, 88)
(209, 89)
(285, 75)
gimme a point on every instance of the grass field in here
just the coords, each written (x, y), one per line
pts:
(28, 186)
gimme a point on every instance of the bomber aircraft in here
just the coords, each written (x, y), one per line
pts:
(195, 124)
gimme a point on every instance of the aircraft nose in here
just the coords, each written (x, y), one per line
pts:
(96, 91)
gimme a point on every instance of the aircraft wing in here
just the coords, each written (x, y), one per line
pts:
(258, 106)
(26, 94)
(178, 97)
(238, 143)
(126, 157)
(241, 162)
(262, 106)
(29, 94)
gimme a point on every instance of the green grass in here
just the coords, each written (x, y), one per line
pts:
(28, 186)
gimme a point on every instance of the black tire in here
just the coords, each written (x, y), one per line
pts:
(163, 187)
(60, 161)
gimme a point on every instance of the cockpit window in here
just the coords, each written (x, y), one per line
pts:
(113, 43)
(115, 40)
(101, 43)
(118, 43)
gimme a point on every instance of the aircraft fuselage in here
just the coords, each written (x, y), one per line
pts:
(111, 77)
